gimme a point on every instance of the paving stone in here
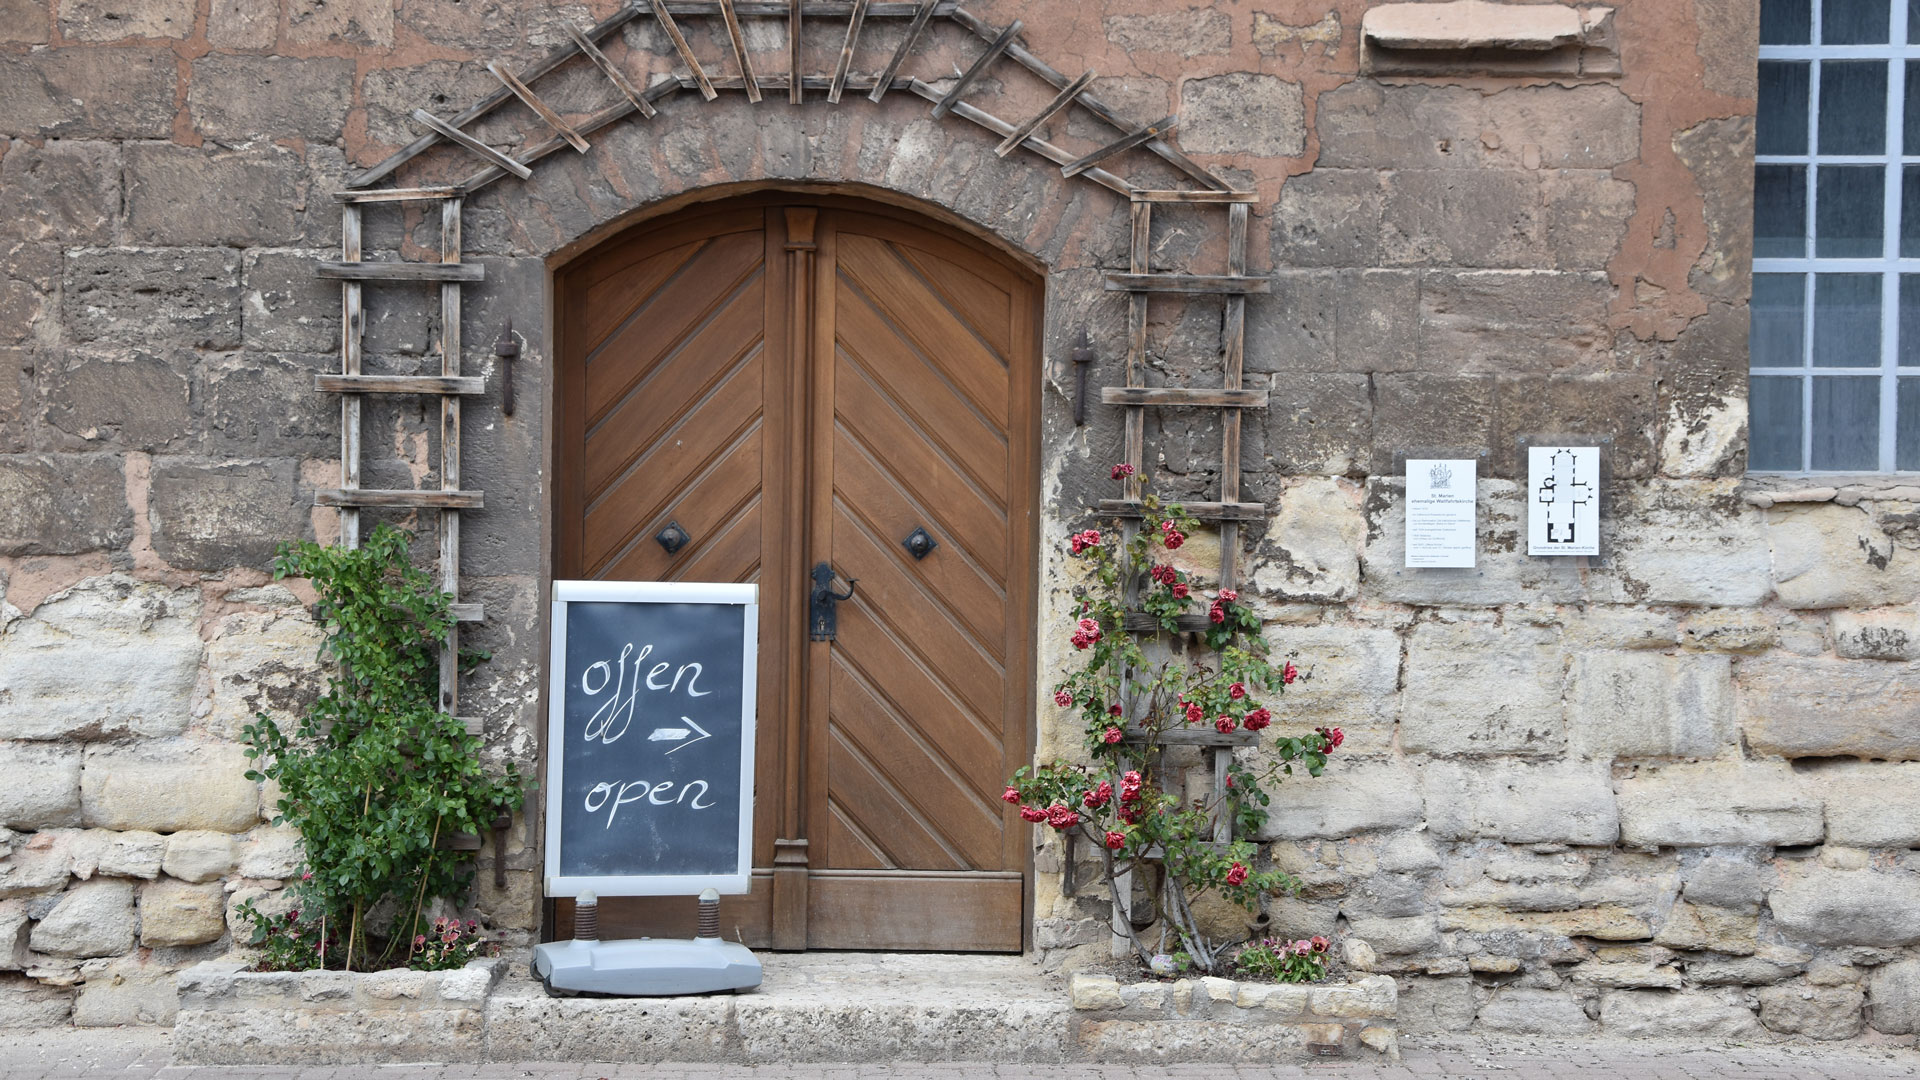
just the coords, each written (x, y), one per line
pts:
(109, 655)
(43, 786)
(1194, 32)
(1521, 802)
(1351, 798)
(88, 93)
(1649, 705)
(177, 913)
(62, 191)
(178, 195)
(87, 391)
(1242, 113)
(169, 785)
(241, 97)
(59, 504)
(212, 516)
(93, 918)
(114, 20)
(1857, 907)
(1722, 802)
(1478, 689)
(1818, 1012)
(1802, 707)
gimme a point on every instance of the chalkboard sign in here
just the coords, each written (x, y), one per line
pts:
(650, 738)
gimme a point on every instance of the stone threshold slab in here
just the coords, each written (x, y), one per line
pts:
(812, 1007)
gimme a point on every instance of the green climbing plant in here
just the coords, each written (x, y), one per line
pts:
(375, 775)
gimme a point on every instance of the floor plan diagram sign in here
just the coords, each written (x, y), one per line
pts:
(1563, 500)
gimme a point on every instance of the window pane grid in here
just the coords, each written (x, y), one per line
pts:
(1841, 400)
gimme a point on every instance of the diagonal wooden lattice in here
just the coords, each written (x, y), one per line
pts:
(1002, 45)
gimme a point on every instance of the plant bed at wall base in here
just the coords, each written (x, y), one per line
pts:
(376, 777)
(231, 1016)
(1224, 1020)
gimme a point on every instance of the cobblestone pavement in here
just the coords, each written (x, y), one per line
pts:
(143, 1055)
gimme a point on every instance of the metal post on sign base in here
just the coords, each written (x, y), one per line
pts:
(645, 967)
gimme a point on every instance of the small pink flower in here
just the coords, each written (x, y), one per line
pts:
(1122, 471)
(1062, 698)
(1236, 874)
(1228, 596)
(1011, 795)
(1112, 735)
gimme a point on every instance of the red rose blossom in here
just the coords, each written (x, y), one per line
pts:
(1288, 674)
(1225, 724)
(1181, 590)
(1334, 736)
(1122, 471)
(1237, 691)
(1011, 795)
(1236, 874)
(1228, 596)
(1060, 817)
(1257, 719)
(1113, 709)
(1099, 796)
(1033, 814)
(1062, 698)
(1116, 840)
(1111, 736)
(1173, 539)
(1217, 613)
(1195, 713)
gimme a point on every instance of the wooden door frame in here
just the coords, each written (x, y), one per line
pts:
(790, 275)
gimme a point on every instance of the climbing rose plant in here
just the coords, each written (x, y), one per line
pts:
(1127, 696)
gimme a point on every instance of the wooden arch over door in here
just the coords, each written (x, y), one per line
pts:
(794, 380)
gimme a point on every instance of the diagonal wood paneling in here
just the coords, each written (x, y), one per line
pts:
(986, 306)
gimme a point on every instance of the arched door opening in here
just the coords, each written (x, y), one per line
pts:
(797, 380)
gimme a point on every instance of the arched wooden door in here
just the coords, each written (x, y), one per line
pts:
(798, 381)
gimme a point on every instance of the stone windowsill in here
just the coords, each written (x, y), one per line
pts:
(1476, 37)
(1848, 489)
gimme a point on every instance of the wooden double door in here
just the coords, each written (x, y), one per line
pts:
(795, 383)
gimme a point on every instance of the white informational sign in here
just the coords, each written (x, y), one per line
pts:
(1440, 505)
(1563, 499)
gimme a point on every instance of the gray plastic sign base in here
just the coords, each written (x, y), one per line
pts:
(646, 967)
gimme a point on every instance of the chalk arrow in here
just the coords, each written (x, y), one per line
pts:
(676, 734)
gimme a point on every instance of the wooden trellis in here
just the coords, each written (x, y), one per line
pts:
(1002, 45)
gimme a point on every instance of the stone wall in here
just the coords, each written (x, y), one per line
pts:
(1660, 791)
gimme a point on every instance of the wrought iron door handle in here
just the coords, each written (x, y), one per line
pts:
(822, 620)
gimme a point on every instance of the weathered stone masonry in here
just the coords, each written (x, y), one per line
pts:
(1666, 791)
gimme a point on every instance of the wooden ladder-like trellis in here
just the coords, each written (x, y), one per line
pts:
(1002, 44)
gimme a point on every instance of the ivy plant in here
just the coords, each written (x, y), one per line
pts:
(375, 775)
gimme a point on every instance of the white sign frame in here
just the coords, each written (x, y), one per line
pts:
(1577, 491)
(747, 597)
(1451, 523)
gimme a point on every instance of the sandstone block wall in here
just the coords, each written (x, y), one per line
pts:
(1662, 791)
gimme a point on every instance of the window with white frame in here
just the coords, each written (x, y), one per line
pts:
(1835, 346)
